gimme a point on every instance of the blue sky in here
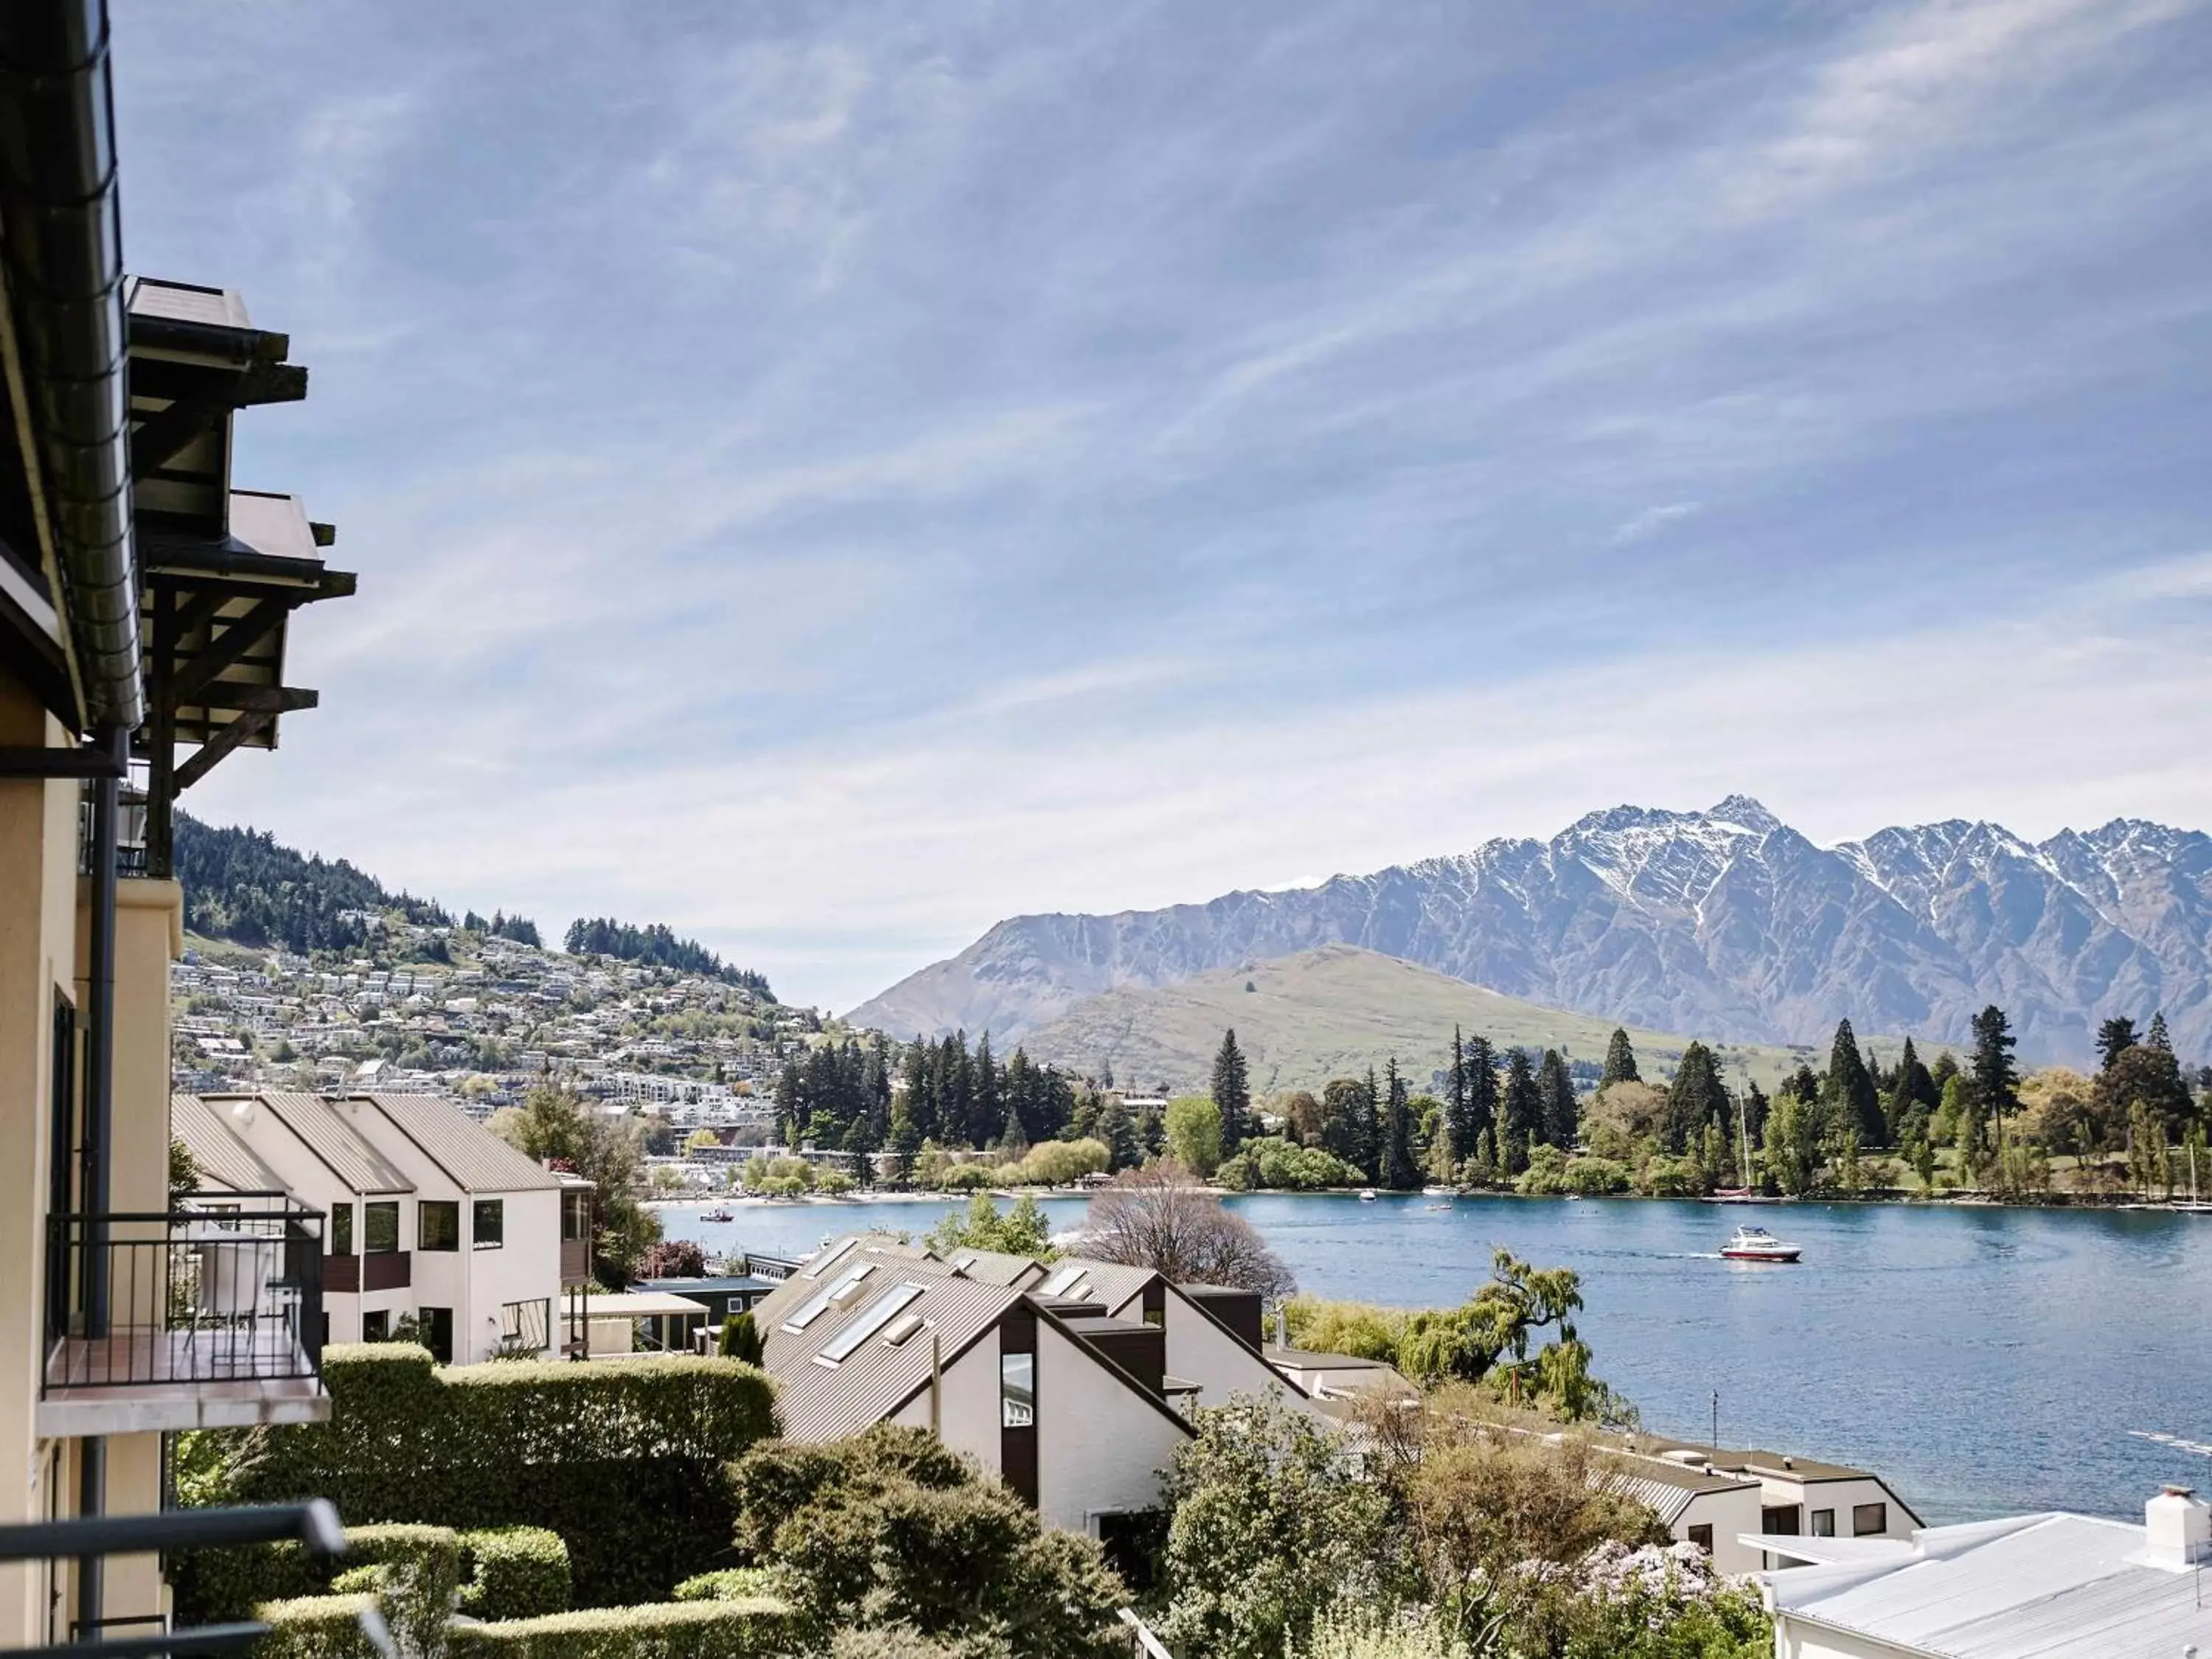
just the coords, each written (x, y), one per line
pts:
(828, 477)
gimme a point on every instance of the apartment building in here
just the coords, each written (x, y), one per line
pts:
(145, 609)
(428, 1218)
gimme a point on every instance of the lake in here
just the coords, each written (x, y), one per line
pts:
(1985, 1361)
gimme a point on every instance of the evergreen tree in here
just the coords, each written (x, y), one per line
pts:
(1619, 1061)
(920, 1097)
(2114, 1038)
(1755, 1109)
(1399, 1170)
(1856, 1102)
(1459, 1142)
(1119, 1131)
(1520, 1111)
(1481, 1091)
(1232, 1093)
(1912, 1089)
(1996, 1079)
(989, 1108)
(1695, 1098)
(1556, 1106)
(1343, 1121)
(787, 1089)
(2156, 1038)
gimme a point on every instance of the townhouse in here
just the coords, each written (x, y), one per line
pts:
(429, 1218)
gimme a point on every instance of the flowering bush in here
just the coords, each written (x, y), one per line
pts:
(1651, 1603)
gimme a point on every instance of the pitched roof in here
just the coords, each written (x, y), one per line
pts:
(222, 1158)
(996, 1267)
(2055, 1585)
(476, 1159)
(333, 1140)
(1107, 1282)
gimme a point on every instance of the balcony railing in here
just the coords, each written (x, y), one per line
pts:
(225, 1291)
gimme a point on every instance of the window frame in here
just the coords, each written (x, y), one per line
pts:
(496, 1209)
(1016, 1397)
(342, 1240)
(444, 1239)
(1823, 1523)
(1702, 1537)
(383, 1318)
(1880, 1513)
(514, 1323)
(370, 1214)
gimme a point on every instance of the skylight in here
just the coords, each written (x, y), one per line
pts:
(820, 1302)
(1063, 1281)
(814, 1269)
(887, 1307)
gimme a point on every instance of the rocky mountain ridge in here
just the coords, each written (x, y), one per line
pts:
(1724, 923)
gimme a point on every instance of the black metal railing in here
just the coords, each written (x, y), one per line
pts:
(225, 1290)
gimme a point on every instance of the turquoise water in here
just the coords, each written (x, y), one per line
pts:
(1986, 1361)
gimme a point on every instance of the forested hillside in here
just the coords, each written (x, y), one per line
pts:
(240, 884)
(657, 946)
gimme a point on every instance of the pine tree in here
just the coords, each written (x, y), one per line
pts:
(2156, 1038)
(1520, 1111)
(1911, 1090)
(1481, 1091)
(1695, 1098)
(1371, 1131)
(1458, 1141)
(1400, 1170)
(1555, 1092)
(1619, 1061)
(1996, 1079)
(1119, 1131)
(988, 1107)
(2114, 1038)
(1232, 1093)
(1850, 1088)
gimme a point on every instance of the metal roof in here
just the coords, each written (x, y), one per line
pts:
(1107, 1282)
(2055, 1586)
(222, 1158)
(330, 1138)
(996, 1267)
(472, 1157)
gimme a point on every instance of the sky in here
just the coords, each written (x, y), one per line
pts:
(828, 477)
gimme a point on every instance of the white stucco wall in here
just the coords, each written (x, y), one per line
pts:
(1101, 1444)
(1730, 1515)
(1201, 1352)
(970, 1420)
(1841, 1496)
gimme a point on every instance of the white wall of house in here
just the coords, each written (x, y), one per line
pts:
(1200, 1351)
(1794, 1639)
(969, 1409)
(1101, 1444)
(1841, 1496)
(1730, 1515)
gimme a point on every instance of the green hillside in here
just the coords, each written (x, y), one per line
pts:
(1335, 1012)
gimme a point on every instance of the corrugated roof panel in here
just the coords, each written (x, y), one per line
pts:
(476, 1159)
(222, 1158)
(323, 1132)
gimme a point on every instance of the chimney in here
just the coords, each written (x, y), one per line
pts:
(2177, 1526)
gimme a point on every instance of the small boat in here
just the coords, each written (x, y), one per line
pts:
(1436, 1206)
(1367, 1194)
(1756, 1244)
(1739, 1195)
(717, 1215)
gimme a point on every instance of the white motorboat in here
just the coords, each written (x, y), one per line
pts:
(1756, 1244)
(1367, 1194)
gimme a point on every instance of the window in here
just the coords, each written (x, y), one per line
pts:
(375, 1327)
(1869, 1520)
(820, 1302)
(487, 1224)
(575, 1216)
(1017, 1390)
(434, 1329)
(847, 1341)
(1781, 1521)
(1063, 1282)
(1824, 1523)
(342, 1230)
(380, 1231)
(1702, 1538)
(527, 1325)
(438, 1225)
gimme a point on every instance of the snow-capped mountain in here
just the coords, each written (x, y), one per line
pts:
(1726, 924)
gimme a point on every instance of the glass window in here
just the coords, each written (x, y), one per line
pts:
(381, 1231)
(375, 1327)
(488, 1223)
(438, 1225)
(575, 1216)
(1702, 1538)
(1824, 1523)
(526, 1324)
(1780, 1521)
(818, 1303)
(1869, 1520)
(342, 1230)
(847, 1341)
(1017, 1390)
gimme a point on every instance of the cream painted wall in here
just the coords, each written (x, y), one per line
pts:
(971, 1404)
(1201, 1352)
(1730, 1515)
(38, 938)
(1841, 1496)
(1101, 1444)
(1796, 1641)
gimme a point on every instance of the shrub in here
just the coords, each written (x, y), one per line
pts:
(903, 1641)
(315, 1627)
(514, 1572)
(969, 1178)
(732, 1584)
(416, 1572)
(667, 1629)
(740, 1339)
(622, 1461)
(1357, 1329)
(1271, 1161)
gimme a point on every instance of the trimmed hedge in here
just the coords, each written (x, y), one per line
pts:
(216, 1586)
(315, 1627)
(732, 1584)
(667, 1629)
(621, 1459)
(514, 1572)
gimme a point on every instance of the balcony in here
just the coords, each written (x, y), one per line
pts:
(215, 1319)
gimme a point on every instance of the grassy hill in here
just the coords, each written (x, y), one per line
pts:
(1335, 1012)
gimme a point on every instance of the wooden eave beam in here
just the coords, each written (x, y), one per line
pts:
(239, 635)
(208, 755)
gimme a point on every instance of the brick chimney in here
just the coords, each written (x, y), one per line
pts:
(2177, 1527)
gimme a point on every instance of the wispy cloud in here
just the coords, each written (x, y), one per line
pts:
(929, 463)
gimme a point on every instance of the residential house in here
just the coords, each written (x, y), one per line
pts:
(2048, 1586)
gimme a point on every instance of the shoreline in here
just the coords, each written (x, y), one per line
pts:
(1948, 1200)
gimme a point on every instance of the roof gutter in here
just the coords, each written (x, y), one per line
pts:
(64, 255)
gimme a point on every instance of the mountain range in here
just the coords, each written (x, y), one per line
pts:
(1725, 924)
